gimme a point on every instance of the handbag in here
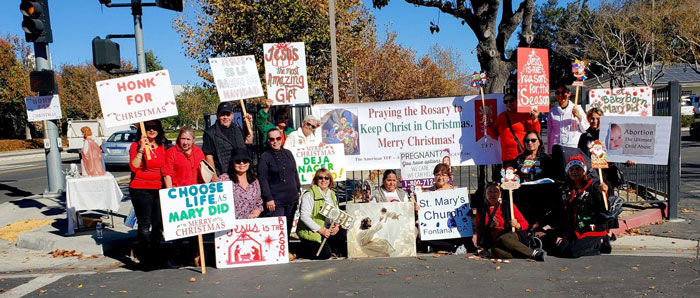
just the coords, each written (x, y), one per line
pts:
(206, 171)
(521, 148)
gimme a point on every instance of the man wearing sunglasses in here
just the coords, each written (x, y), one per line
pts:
(565, 122)
(224, 139)
(304, 136)
(510, 127)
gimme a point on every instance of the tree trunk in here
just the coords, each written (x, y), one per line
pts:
(27, 132)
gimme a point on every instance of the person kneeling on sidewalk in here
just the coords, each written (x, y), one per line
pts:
(495, 232)
(314, 227)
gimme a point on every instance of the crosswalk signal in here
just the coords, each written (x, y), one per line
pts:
(105, 54)
(35, 22)
(175, 5)
(43, 81)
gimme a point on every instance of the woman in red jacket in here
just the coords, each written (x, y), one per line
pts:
(495, 229)
(146, 181)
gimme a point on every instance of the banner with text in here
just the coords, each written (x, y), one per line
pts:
(373, 133)
(285, 73)
(631, 101)
(197, 209)
(640, 139)
(310, 159)
(42, 108)
(253, 242)
(533, 80)
(137, 98)
(444, 214)
(236, 78)
(417, 167)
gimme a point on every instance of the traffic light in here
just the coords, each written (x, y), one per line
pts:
(43, 81)
(105, 54)
(35, 22)
(175, 5)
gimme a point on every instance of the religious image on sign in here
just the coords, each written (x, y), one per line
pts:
(509, 179)
(253, 242)
(236, 78)
(598, 156)
(642, 139)
(489, 109)
(340, 126)
(285, 73)
(444, 214)
(382, 230)
(310, 159)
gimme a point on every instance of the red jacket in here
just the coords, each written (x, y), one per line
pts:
(521, 122)
(148, 175)
(500, 221)
(182, 169)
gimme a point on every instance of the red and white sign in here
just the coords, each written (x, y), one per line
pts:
(630, 101)
(137, 98)
(285, 73)
(236, 78)
(533, 80)
(43, 108)
(253, 242)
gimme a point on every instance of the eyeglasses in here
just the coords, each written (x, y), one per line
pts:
(278, 139)
(324, 178)
(151, 127)
(310, 125)
(509, 100)
(530, 140)
(241, 161)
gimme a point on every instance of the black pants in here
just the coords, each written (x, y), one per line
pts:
(588, 246)
(286, 210)
(509, 246)
(335, 244)
(147, 208)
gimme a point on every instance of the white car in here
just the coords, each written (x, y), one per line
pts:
(695, 102)
(687, 107)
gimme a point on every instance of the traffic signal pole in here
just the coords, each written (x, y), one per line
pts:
(138, 36)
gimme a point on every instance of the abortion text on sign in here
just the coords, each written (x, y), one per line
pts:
(417, 167)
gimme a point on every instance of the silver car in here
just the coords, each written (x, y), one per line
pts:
(116, 148)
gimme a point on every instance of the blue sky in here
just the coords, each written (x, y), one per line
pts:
(76, 22)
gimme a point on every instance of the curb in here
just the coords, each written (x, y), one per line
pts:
(640, 219)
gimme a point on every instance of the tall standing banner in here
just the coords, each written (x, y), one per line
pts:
(644, 140)
(374, 133)
(630, 101)
(533, 80)
(137, 98)
(285, 73)
(236, 78)
(197, 209)
(417, 167)
(310, 159)
(42, 108)
(253, 242)
(444, 214)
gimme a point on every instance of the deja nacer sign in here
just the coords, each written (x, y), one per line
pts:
(310, 159)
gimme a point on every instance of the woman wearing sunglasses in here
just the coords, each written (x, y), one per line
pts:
(565, 122)
(246, 187)
(304, 136)
(314, 227)
(279, 179)
(146, 180)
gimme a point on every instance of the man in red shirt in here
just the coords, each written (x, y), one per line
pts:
(181, 164)
(510, 127)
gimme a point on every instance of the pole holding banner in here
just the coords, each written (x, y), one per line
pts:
(202, 263)
(510, 181)
(143, 133)
(478, 81)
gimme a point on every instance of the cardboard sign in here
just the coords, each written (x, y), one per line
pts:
(335, 215)
(253, 242)
(509, 180)
(310, 159)
(444, 214)
(43, 108)
(382, 230)
(285, 73)
(598, 156)
(236, 78)
(417, 167)
(137, 98)
(533, 80)
(641, 139)
(373, 133)
(197, 209)
(631, 101)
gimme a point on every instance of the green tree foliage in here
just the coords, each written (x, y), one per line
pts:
(153, 63)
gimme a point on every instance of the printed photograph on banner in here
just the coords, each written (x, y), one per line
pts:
(382, 230)
(340, 126)
(285, 73)
(630, 101)
(642, 139)
(310, 159)
(253, 242)
(489, 110)
(236, 78)
(533, 80)
(136, 98)
(417, 167)
(43, 108)
(197, 209)
(444, 214)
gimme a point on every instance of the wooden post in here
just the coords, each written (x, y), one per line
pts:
(201, 254)
(143, 133)
(250, 125)
(512, 213)
(605, 194)
(483, 109)
(321, 247)
(576, 98)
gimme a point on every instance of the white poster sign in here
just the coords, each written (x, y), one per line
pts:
(444, 214)
(382, 230)
(197, 209)
(253, 242)
(285, 73)
(373, 133)
(236, 78)
(417, 167)
(43, 108)
(644, 140)
(137, 98)
(630, 101)
(310, 159)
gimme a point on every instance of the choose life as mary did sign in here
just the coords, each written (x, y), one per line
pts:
(197, 209)
(444, 214)
(310, 159)
(137, 98)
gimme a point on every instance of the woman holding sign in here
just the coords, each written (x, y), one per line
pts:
(246, 187)
(145, 182)
(313, 226)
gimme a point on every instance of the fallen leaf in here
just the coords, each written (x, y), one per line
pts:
(394, 270)
(381, 267)
(549, 279)
(674, 263)
(635, 268)
(69, 284)
(337, 280)
(189, 292)
(409, 278)
(192, 279)
(498, 267)
(587, 267)
(92, 294)
(686, 210)
(103, 286)
(528, 290)
(258, 287)
(652, 287)
(218, 282)
(80, 286)
(123, 291)
(291, 289)
(381, 273)
(564, 269)
(356, 293)
(436, 255)
(42, 291)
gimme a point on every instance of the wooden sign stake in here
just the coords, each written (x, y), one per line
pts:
(143, 133)
(201, 254)
(512, 215)
(250, 130)
(510, 181)
(605, 194)
(321, 247)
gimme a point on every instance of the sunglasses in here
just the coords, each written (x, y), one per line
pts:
(324, 178)
(509, 100)
(241, 161)
(151, 127)
(560, 92)
(278, 139)
(530, 140)
(311, 125)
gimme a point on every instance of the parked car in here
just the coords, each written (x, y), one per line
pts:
(99, 132)
(116, 148)
(687, 108)
(543, 119)
(695, 102)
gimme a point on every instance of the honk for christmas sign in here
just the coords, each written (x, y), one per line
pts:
(197, 209)
(533, 80)
(253, 242)
(310, 159)
(137, 98)
(285, 73)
